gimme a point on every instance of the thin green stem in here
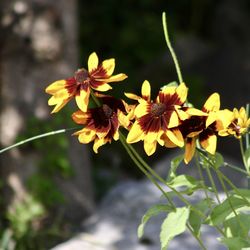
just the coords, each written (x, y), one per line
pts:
(243, 154)
(213, 184)
(247, 134)
(125, 145)
(229, 201)
(165, 29)
(203, 180)
(233, 186)
(196, 237)
(236, 168)
(37, 137)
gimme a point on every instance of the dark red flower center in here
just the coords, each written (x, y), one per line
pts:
(107, 111)
(82, 76)
(158, 109)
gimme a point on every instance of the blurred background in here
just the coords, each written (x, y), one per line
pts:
(48, 186)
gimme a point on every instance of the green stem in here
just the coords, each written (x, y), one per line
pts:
(243, 154)
(247, 134)
(236, 168)
(229, 201)
(203, 180)
(213, 184)
(165, 29)
(95, 99)
(125, 145)
(196, 237)
(37, 137)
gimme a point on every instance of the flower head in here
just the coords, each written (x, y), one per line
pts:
(102, 123)
(204, 127)
(239, 124)
(157, 121)
(79, 86)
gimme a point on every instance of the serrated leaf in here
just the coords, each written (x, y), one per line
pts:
(174, 165)
(153, 211)
(236, 243)
(173, 225)
(222, 211)
(171, 84)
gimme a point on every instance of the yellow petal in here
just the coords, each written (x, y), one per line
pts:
(196, 112)
(181, 114)
(209, 144)
(86, 136)
(80, 117)
(62, 94)
(115, 78)
(103, 87)
(150, 137)
(82, 100)
(135, 134)
(212, 103)
(60, 105)
(123, 119)
(109, 66)
(176, 137)
(116, 136)
(150, 147)
(146, 90)
(132, 96)
(173, 121)
(189, 150)
(92, 62)
(141, 109)
(55, 87)
(182, 91)
(98, 143)
(212, 116)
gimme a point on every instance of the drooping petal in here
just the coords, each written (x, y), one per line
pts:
(123, 119)
(132, 96)
(55, 87)
(80, 117)
(92, 62)
(85, 135)
(150, 147)
(82, 99)
(98, 143)
(146, 90)
(135, 134)
(212, 103)
(189, 149)
(209, 143)
(109, 66)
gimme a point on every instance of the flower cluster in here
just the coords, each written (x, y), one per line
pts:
(166, 120)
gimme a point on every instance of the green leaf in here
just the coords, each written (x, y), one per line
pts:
(173, 225)
(236, 243)
(247, 157)
(153, 211)
(171, 84)
(187, 181)
(174, 165)
(195, 219)
(233, 229)
(222, 211)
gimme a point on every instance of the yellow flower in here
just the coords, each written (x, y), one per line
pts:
(204, 127)
(157, 121)
(238, 125)
(96, 77)
(102, 123)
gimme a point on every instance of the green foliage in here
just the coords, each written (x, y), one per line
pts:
(173, 225)
(175, 163)
(153, 211)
